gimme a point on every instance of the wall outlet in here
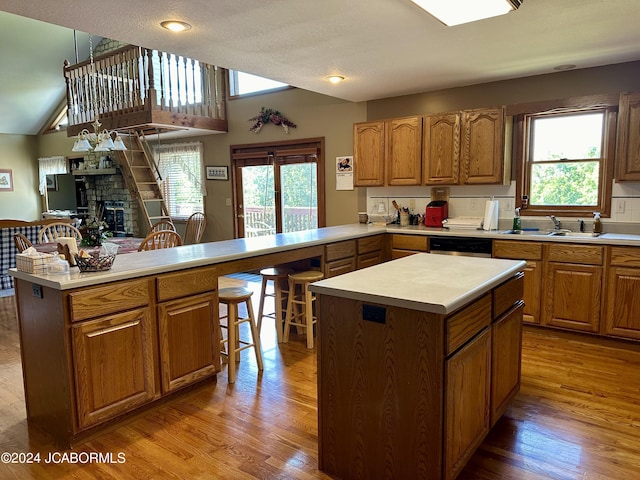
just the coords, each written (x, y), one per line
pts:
(473, 204)
(412, 204)
(620, 206)
(508, 206)
(36, 290)
(227, 202)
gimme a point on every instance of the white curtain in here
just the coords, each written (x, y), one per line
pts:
(50, 166)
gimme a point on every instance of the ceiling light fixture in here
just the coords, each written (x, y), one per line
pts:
(335, 78)
(98, 141)
(456, 12)
(175, 25)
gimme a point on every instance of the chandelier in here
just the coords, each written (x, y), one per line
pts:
(98, 141)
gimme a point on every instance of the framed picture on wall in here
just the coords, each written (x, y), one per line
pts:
(6, 181)
(52, 183)
(217, 172)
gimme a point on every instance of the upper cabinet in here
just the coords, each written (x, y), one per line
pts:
(403, 160)
(457, 148)
(483, 146)
(628, 148)
(368, 154)
(441, 153)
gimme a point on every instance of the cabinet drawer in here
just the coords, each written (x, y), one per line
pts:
(572, 253)
(625, 256)
(338, 267)
(517, 250)
(369, 244)
(112, 298)
(190, 282)
(464, 325)
(369, 259)
(507, 295)
(410, 242)
(338, 250)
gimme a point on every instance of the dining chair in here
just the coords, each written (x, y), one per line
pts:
(22, 242)
(162, 225)
(161, 239)
(51, 231)
(195, 228)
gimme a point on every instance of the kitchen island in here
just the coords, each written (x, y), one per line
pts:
(417, 360)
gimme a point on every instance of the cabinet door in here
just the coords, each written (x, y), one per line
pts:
(572, 296)
(506, 349)
(441, 152)
(404, 151)
(338, 267)
(113, 360)
(532, 290)
(368, 154)
(628, 138)
(623, 307)
(482, 152)
(467, 390)
(189, 335)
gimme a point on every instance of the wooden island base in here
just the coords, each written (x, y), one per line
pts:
(404, 393)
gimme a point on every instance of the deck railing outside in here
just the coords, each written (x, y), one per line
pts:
(133, 78)
(259, 221)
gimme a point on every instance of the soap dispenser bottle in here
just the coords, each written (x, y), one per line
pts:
(597, 224)
(516, 220)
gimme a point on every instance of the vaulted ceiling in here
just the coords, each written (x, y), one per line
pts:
(384, 48)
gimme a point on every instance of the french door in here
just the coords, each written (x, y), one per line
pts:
(278, 188)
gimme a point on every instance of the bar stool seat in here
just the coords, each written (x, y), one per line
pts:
(300, 303)
(277, 276)
(232, 297)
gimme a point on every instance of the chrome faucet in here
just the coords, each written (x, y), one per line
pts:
(556, 223)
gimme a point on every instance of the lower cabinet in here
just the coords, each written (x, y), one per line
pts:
(340, 257)
(113, 363)
(189, 339)
(405, 245)
(623, 298)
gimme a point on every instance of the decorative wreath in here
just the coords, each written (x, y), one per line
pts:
(267, 115)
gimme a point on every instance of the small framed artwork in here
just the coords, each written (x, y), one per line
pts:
(52, 183)
(215, 172)
(6, 181)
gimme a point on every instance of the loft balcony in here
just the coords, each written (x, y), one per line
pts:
(152, 92)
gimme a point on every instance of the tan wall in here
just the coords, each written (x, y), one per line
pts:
(17, 153)
(608, 79)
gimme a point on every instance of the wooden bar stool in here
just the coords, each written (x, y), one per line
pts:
(277, 276)
(300, 303)
(232, 297)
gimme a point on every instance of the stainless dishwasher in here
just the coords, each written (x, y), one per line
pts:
(465, 246)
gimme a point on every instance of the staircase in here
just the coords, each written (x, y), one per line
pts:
(143, 178)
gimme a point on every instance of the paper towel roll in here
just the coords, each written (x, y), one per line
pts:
(490, 215)
(73, 247)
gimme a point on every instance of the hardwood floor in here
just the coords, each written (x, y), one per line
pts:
(577, 417)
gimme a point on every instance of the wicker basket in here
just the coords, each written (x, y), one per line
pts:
(95, 263)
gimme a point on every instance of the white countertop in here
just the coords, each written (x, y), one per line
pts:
(424, 282)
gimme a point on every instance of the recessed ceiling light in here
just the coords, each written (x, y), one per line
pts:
(175, 25)
(455, 12)
(568, 66)
(335, 78)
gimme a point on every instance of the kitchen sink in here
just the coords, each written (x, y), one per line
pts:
(524, 232)
(549, 233)
(571, 234)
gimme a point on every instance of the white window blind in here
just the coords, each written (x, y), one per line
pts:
(180, 165)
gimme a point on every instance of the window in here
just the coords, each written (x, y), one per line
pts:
(241, 83)
(180, 166)
(567, 160)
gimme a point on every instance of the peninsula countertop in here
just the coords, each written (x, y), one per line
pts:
(424, 282)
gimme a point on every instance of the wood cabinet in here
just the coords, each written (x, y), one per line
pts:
(531, 252)
(403, 160)
(339, 258)
(573, 286)
(368, 154)
(405, 245)
(371, 251)
(482, 152)
(628, 138)
(623, 293)
(441, 149)
(113, 365)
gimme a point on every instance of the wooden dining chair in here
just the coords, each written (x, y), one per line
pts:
(22, 242)
(52, 231)
(163, 225)
(195, 228)
(161, 239)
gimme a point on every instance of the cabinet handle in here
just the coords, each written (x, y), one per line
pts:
(115, 328)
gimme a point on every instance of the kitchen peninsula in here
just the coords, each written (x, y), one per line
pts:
(418, 358)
